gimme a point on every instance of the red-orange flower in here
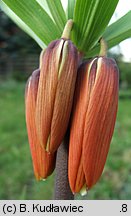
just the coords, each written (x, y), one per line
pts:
(55, 92)
(43, 162)
(93, 120)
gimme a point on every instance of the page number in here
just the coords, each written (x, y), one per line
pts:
(124, 208)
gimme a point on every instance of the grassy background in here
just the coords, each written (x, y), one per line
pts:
(16, 174)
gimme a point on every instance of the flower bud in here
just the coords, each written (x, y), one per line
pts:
(55, 92)
(43, 162)
(93, 120)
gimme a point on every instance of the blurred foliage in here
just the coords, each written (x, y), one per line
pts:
(16, 49)
(19, 76)
(17, 180)
(125, 94)
(13, 40)
(124, 69)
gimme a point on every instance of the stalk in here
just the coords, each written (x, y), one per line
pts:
(103, 47)
(62, 188)
(67, 30)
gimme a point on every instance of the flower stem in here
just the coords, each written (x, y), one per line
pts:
(103, 47)
(62, 188)
(67, 29)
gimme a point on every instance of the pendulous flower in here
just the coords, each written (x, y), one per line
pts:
(43, 162)
(58, 74)
(93, 121)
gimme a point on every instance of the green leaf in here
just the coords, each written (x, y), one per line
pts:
(71, 6)
(115, 33)
(36, 18)
(58, 13)
(91, 18)
(21, 24)
(118, 31)
(44, 5)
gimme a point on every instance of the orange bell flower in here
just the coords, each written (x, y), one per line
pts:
(93, 121)
(43, 162)
(55, 92)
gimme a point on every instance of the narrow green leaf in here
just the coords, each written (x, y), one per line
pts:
(118, 31)
(115, 33)
(58, 13)
(44, 5)
(71, 6)
(21, 24)
(35, 17)
(91, 18)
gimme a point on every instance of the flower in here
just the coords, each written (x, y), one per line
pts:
(56, 86)
(43, 162)
(93, 121)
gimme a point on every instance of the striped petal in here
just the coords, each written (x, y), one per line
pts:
(93, 120)
(75, 167)
(43, 162)
(100, 119)
(55, 92)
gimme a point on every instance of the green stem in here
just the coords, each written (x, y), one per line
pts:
(103, 47)
(67, 30)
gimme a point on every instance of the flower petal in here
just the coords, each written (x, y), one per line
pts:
(55, 92)
(43, 162)
(100, 120)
